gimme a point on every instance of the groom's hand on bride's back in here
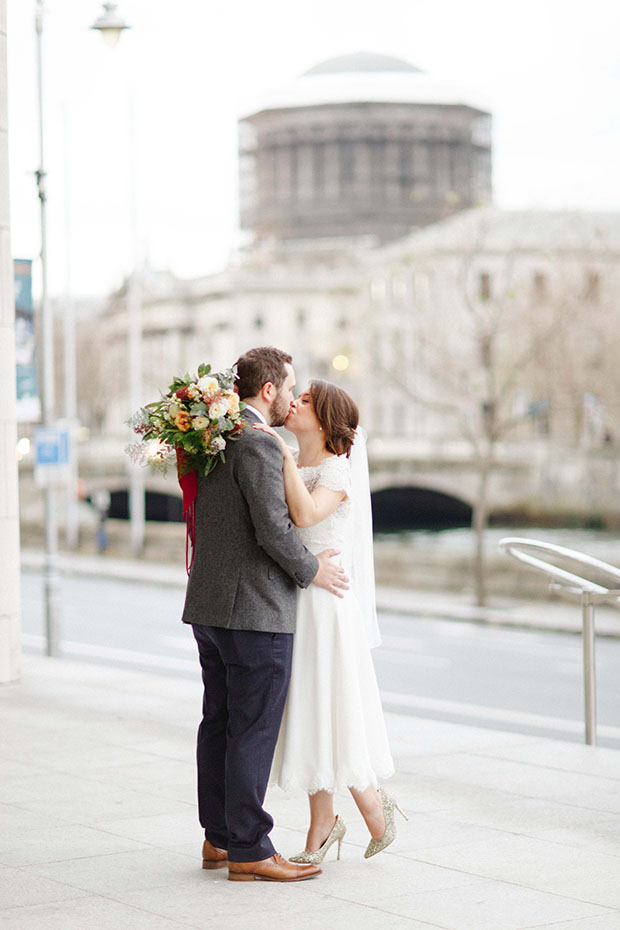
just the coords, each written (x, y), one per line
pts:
(330, 576)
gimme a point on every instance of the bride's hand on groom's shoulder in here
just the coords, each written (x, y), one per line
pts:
(268, 429)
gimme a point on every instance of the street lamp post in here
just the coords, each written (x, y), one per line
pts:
(51, 580)
(110, 25)
(72, 513)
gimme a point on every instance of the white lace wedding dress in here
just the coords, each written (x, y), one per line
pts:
(333, 733)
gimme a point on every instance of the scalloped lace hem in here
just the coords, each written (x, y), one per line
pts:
(357, 781)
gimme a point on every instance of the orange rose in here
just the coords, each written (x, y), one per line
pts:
(183, 421)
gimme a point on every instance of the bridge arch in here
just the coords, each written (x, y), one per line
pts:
(158, 505)
(409, 507)
(162, 496)
(397, 505)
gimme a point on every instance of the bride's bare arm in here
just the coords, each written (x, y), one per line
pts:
(305, 508)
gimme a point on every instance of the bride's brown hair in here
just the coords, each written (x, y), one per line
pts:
(337, 414)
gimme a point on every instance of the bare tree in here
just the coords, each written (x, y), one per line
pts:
(479, 361)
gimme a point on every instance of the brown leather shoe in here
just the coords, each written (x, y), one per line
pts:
(212, 857)
(275, 869)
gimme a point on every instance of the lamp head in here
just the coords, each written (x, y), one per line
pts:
(110, 24)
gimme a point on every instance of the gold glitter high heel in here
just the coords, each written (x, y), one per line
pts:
(388, 804)
(315, 858)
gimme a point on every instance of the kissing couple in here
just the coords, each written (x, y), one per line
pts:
(281, 602)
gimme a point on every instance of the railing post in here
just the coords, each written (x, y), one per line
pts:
(589, 670)
(574, 586)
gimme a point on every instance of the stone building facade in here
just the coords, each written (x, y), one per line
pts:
(422, 330)
(512, 315)
(306, 297)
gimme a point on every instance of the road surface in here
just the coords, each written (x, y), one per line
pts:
(508, 679)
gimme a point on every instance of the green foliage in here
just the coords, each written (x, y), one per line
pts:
(226, 378)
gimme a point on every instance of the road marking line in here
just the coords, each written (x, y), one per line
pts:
(462, 709)
(411, 702)
(183, 643)
(393, 655)
(126, 656)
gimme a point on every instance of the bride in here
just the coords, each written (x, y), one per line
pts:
(333, 733)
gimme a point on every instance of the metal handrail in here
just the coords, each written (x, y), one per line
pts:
(574, 587)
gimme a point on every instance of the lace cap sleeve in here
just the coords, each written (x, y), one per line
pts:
(335, 474)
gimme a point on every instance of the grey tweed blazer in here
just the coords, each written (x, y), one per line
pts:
(248, 560)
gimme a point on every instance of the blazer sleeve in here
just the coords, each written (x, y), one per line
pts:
(258, 468)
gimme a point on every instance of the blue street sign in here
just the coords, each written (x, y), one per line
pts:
(51, 454)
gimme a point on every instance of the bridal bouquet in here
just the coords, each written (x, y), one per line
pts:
(190, 424)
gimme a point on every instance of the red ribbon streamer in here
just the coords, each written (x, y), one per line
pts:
(188, 480)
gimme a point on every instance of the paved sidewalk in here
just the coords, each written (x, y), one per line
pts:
(549, 614)
(98, 823)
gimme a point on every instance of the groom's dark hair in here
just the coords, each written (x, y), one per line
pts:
(257, 367)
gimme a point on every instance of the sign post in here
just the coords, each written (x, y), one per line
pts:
(52, 468)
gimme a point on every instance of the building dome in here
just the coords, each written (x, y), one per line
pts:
(361, 144)
(361, 61)
(363, 77)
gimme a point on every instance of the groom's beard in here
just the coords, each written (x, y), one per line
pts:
(279, 411)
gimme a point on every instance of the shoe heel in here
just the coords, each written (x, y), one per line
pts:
(207, 864)
(339, 845)
(240, 877)
(402, 814)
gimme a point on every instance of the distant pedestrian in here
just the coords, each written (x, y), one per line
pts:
(101, 502)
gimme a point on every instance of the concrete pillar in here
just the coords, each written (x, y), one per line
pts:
(9, 511)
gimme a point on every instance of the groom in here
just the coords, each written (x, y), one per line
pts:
(241, 599)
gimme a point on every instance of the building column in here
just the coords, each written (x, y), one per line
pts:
(9, 511)
(305, 172)
(331, 187)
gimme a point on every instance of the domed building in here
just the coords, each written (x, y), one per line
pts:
(336, 168)
(340, 172)
(361, 144)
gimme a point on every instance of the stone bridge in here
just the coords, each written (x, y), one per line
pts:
(424, 483)
(529, 480)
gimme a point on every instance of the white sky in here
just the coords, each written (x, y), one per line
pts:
(550, 70)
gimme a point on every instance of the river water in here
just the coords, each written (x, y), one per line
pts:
(442, 559)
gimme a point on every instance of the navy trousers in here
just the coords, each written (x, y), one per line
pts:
(246, 675)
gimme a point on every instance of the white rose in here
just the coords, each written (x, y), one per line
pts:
(219, 408)
(208, 385)
(200, 422)
(218, 443)
(171, 413)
